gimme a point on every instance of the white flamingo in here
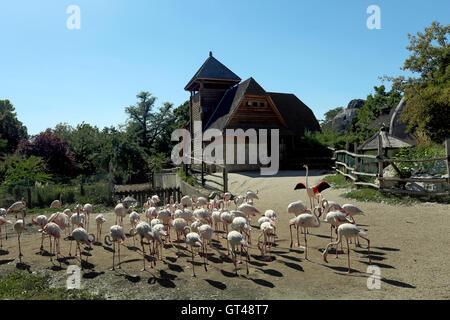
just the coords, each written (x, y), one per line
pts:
(352, 211)
(41, 221)
(206, 232)
(145, 231)
(53, 230)
(116, 234)
(87, 209)
(120, 211)
(267, 230)
(80, 235)
(3, 222)
(19, 226)
(304, 221)
(236, 239)
(99, 220)
(193, 239)
(17, 206)
(348, 231)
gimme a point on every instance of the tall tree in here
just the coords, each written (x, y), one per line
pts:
(427, 93)
(52, 150)
(147, 122)
(11, 129)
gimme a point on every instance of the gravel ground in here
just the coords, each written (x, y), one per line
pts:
(409, 245)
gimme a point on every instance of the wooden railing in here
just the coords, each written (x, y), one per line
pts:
(354, 166)
(142, 195)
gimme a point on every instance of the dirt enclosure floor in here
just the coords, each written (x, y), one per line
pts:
(409, 245)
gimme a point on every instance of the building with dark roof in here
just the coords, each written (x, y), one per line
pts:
(221, 101)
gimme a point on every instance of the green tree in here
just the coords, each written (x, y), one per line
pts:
(428, 95)
(329, 115)
(11, 129)
(147, 122)
(372, 110)
(26, 173)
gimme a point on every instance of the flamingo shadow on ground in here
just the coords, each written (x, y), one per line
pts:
(88, 249)
(96, 243)
(86, 265)
(92, 274)
(398, 283)
(226, 259)
(271, 272)
(3, 252)
(264, 259)
(376, 258)
(292, 265)
(56, 268)
(377, 253)
(45, 253)
(387, 248)
(214, 259)
(264, 283)
(228, 274)
(320, 236)
(290, 258)
(23, 266)
(175, 267)
(129, 261)
(165, 280)
(132, 278)
(278, 252)
(5, 261)
(86, 254)
(217, 284)
(342, 269)
(171, 259)
(296, 251)
(65, 259)
(108, 249)
(257, 264)
(132, 248)
(381, 265)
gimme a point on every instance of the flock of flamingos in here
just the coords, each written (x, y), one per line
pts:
(197, 220)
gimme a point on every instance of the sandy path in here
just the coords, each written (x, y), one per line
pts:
(409, 245)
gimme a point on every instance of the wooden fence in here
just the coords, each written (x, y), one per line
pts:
(142, 194)
(354, 166)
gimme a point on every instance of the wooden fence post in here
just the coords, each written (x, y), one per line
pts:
(380, 160)
(225, 178)
(355, 148)
(447, 153)
(346, 157)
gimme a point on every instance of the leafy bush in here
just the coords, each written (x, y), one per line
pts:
(187, 178)
(421, 152)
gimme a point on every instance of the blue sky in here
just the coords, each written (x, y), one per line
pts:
(321, 51)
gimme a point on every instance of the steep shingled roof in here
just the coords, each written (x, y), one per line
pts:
(388, 141)
(230, 102)
(297, 115)
(213, 69)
